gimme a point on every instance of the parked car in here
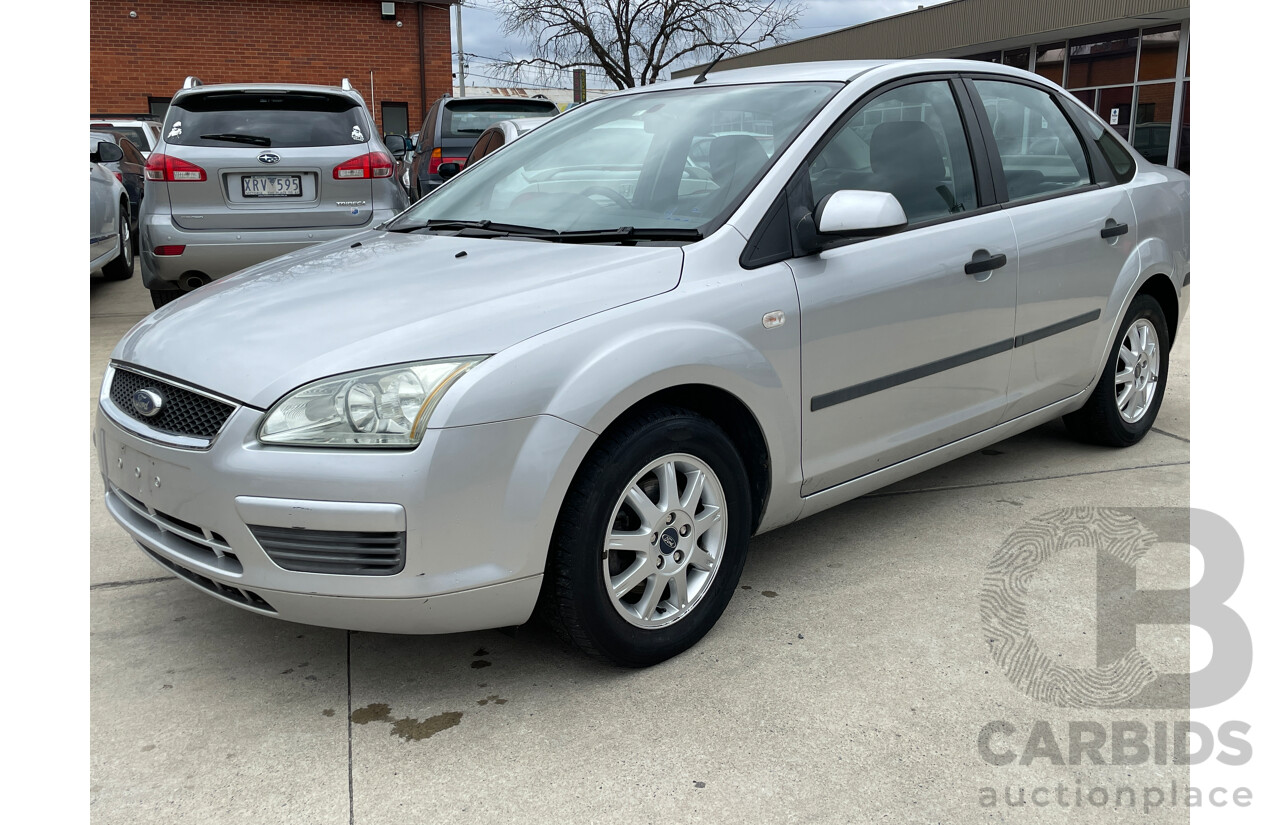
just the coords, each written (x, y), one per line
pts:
(110, 244)
(248, 172)
(144, 133)
(578, 380)
(130, 170)
(500, 134)
(452, 127)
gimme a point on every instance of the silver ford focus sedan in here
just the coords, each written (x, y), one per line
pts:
(579, 381)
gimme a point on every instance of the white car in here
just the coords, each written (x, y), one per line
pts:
(110, 245)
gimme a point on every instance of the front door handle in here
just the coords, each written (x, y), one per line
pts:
(1113, 229)
(983, 261)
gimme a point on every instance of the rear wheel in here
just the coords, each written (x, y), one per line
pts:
(121, 267)
(1127, 399)
(651, 539)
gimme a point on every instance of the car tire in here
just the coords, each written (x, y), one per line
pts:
(160, 297)
(1124, 405)
(120, 268)
(637, 583)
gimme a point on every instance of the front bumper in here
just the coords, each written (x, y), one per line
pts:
(477, 506)
(217, 253)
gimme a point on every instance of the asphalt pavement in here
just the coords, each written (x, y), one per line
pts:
(849, 680)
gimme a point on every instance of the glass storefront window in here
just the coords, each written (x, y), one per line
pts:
(1159, 60)
(986, 57)
(1085, 96)
(1018, 58)
(1104, 60)
(1049, 60)
(1151, 131)
(1115, 107)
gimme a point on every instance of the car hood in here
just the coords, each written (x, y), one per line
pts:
(382, 298)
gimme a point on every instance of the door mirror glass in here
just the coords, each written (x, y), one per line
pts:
(448, 170)
(396, 145)
(107, 152)
(859, 213)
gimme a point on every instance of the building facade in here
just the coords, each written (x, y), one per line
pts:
(1128, 60)
(398, 57)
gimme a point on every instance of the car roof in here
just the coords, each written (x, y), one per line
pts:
(840, 71)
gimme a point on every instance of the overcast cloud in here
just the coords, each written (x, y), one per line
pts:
(482, 31)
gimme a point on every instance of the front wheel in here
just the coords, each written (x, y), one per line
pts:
(651, 539)
(1127, 399)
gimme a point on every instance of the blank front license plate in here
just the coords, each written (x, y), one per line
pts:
(272, 186)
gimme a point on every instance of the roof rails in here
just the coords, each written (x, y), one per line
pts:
(346, 85)
(191, 82)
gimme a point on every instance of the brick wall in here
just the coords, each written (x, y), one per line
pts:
(255, 41)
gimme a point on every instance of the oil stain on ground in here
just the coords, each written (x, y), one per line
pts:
(408, 729)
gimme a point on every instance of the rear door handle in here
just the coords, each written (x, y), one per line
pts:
(983, 261)
(1114, 230)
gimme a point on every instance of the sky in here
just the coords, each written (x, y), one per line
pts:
(482, 33)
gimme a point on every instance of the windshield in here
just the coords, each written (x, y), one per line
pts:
(674, 159)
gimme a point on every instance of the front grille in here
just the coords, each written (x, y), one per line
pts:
(183, 412)
(339, 552)
(235, 594)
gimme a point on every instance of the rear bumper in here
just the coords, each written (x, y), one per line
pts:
(218, 253)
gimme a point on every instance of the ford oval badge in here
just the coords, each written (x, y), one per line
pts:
(147, 402)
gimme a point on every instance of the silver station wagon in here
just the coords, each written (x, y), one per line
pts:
(580, 381)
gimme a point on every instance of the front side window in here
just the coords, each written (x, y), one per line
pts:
(1040, 153)
(909, 142)
(672, 160)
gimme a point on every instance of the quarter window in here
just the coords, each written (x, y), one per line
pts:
(1040, 153)
(909, 142)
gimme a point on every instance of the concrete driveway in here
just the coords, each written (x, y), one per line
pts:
(848, 681)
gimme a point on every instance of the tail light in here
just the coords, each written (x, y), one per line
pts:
(372, 165)
(170, 250)
(119, 177)
(169, 168)
(437, 158)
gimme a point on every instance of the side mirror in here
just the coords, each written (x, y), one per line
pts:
(448, 170)
(395, 145)
(107, 152)
(859, 213)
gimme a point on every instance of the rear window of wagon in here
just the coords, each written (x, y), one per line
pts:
(287, 119)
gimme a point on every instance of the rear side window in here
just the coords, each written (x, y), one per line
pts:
(259, 120)
(468, 118)
(1040, 153)
(1117, 156)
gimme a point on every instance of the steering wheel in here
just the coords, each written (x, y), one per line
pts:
(605, 191)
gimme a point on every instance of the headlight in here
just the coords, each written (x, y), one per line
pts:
(384, 407)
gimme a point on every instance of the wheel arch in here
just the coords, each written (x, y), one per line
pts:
(732, 415)
(1160, 286)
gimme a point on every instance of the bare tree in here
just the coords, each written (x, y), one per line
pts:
(633, 42)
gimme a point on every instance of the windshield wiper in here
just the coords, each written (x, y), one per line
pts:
(485, 228)
(256, 140)
(627, 233)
